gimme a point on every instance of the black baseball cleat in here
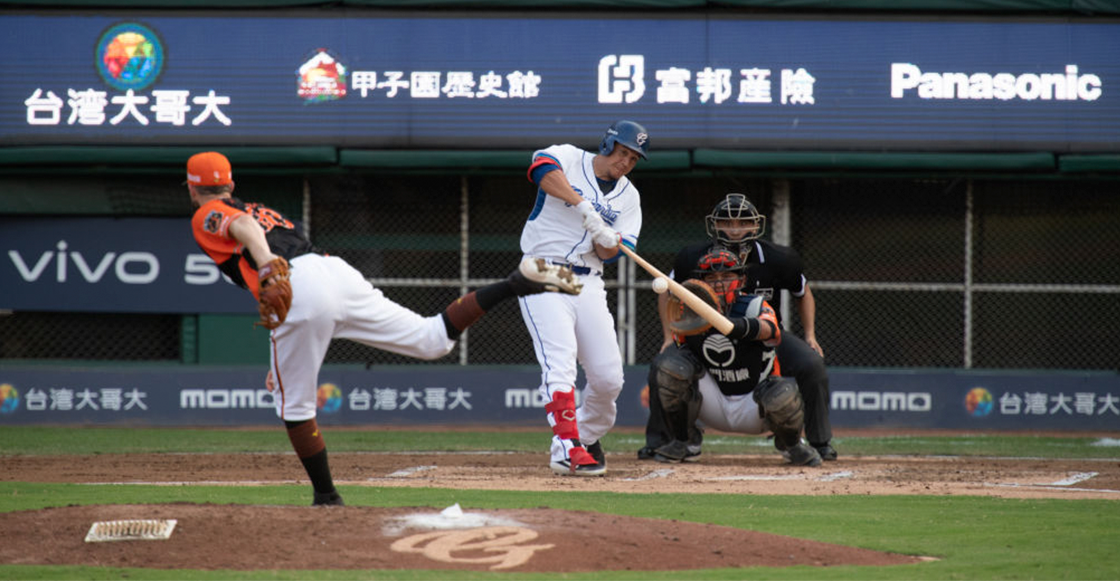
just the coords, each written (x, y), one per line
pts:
(827, 452)
(672, 452)
(332, 498)
(578, 463)
(596, 451)
(802, 455)
(650, 453)
(537, 275)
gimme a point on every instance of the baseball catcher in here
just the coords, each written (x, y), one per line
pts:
(708, 376)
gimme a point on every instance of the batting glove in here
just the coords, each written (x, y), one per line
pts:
(592, 221)
(606, 237)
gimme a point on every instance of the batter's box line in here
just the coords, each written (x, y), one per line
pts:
(771, 477)
(1050, 487)
(194, 483)
(662, 473)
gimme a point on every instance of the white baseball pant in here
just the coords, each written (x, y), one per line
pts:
(331, 299)
(729, 413)
(566, 329)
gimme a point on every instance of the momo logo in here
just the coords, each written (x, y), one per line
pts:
(530, 398)
(129, 267)
(918, 401)
(718, 350)
(130, 56)
(503, 546)
(224, 399)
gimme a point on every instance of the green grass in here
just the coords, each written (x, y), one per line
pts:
(48, 440)
(974, 537)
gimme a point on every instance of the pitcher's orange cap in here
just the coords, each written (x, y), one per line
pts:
(209, 168)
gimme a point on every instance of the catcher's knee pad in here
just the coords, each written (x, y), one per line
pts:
(562, 410)
(779, 402)
(673, 375)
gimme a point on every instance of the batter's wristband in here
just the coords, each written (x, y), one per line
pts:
(744, 329)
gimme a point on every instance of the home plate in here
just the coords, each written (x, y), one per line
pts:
(1074, 479)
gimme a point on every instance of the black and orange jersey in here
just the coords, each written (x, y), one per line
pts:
(211, 231)
(738, 365)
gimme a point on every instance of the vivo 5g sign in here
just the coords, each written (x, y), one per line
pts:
(111, 265)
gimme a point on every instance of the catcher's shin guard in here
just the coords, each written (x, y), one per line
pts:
(779, 402)
(673, 378)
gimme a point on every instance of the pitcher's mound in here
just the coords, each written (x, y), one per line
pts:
(240, 537)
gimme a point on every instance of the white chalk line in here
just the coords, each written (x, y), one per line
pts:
(770, 477)
(406, 472)
(662, 473)
(1074, 479)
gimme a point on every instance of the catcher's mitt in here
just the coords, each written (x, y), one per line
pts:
(682, 319)
(275, 293)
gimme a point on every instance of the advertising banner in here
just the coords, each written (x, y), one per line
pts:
(474, 81)
(111, 265)
(501, 396)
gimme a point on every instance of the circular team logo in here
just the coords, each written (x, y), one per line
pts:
(130, 56)
(329, 398)
(978, 402)
(9, 399)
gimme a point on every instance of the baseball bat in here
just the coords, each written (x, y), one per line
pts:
(716, 318)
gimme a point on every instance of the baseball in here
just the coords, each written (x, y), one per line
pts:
(660, 284)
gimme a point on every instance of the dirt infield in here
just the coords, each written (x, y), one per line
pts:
(732, 474)
(542, 539)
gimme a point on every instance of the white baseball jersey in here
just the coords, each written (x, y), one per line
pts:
(565, 328)
(555, 228)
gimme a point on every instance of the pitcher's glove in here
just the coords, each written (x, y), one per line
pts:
(683, 320)
(275, 293)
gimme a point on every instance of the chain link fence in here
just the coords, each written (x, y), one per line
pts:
(914, 273)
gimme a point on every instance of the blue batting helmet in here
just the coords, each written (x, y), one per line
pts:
(626, 133)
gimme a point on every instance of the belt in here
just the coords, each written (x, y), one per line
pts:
(580, 270)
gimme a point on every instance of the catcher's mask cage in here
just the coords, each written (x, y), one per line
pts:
(751, 223)
(723, 271)
(627, 133)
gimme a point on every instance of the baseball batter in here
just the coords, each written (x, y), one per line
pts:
(308, 298)
(585, 207)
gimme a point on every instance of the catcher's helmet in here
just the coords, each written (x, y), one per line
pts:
(626, 133)
(736, 207)
(716, 262)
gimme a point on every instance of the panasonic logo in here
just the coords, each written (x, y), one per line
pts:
(873, 401)
(1071, 85)
(224, 399)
